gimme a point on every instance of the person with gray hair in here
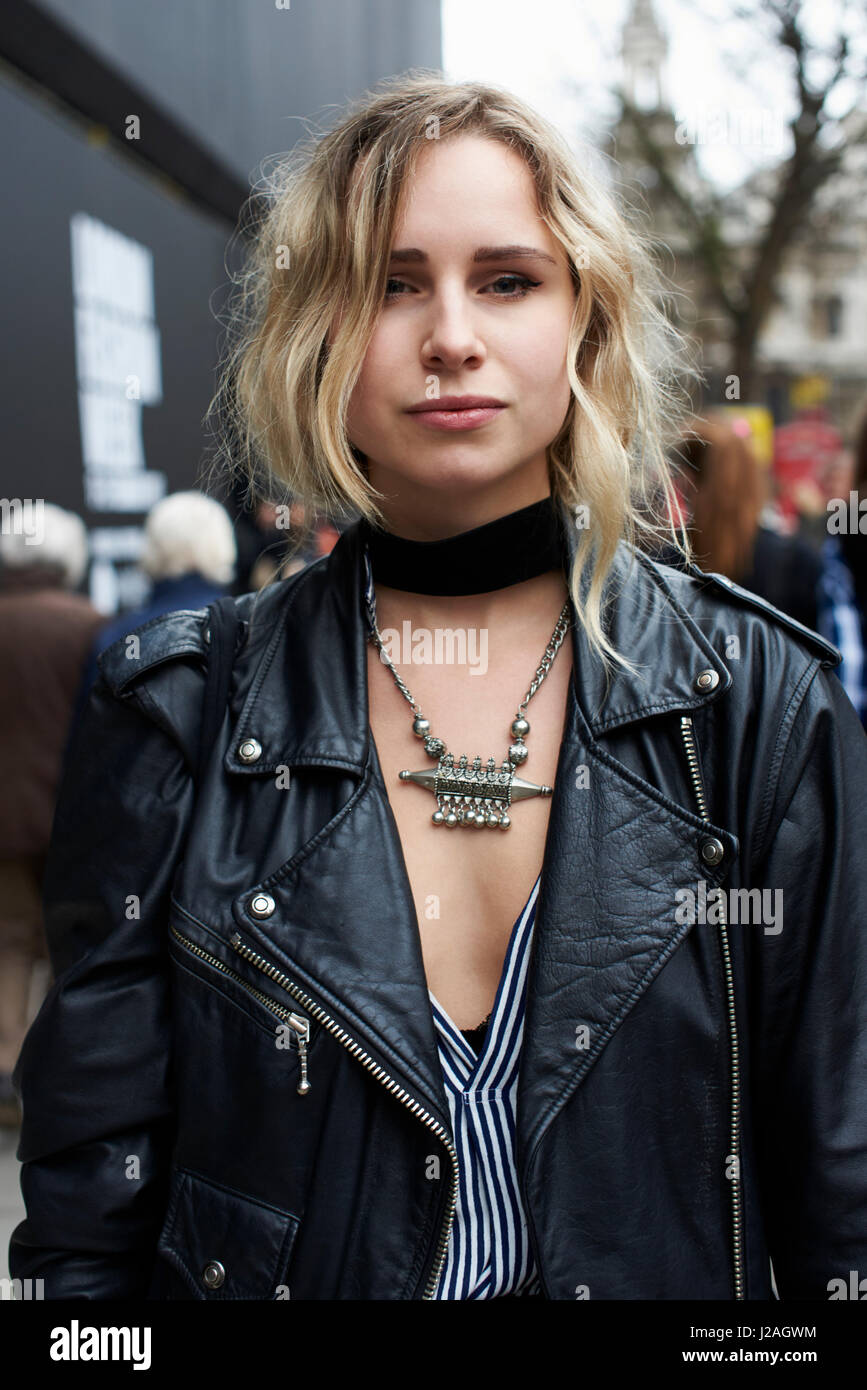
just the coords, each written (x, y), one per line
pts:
(189, 555)
(189, 533)
(43, 544)
(46, 630)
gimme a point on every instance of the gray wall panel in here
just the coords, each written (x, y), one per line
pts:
(244, 75)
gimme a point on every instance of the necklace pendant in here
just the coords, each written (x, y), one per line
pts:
(473, 795)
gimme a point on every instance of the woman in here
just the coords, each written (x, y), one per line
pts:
(725, 495)
(263, 1073)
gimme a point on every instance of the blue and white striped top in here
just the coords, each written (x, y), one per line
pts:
(489, 1253)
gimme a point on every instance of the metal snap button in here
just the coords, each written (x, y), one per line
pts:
(213, 1275)
(250, 750)
(207, 634)
(262, 905)
(712, 851)
(707, 680)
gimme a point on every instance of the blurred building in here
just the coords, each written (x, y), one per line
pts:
(818, 326)
(644, 51)
(132, 136)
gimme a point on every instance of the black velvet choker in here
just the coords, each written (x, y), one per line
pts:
(506, 551)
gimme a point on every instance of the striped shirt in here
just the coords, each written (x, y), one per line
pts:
(489, 1253)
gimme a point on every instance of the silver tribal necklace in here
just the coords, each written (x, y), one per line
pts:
(467, 793)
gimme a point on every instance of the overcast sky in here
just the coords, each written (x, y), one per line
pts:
(563, 55)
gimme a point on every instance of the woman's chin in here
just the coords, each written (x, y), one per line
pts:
(451, 479)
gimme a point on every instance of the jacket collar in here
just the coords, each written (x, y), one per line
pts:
(307, 701)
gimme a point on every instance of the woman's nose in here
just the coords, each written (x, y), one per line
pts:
(452, 332)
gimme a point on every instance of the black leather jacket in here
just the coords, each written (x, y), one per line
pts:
(692, 1093)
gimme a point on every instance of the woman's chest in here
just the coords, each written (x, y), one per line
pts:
(469, 881)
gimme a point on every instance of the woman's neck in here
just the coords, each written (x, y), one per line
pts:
(503, 572)
(420, 512)
(512, 608)
(509, 549)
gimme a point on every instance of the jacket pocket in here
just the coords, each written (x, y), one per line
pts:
(223, 1244)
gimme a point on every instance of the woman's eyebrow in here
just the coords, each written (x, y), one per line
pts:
(412, 254)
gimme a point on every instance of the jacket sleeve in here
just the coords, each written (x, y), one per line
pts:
(809, 1065)
(94, 1074)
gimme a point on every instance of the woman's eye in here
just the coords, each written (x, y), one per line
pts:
(522, 285)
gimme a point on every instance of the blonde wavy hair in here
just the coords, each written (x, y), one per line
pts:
(312, 284)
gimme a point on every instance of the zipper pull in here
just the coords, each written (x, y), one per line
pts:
(302, 1032)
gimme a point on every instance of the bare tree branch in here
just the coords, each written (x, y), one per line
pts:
(743, 277)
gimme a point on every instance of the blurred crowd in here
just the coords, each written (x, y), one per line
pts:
(740, 522)
(51, 636)
(809, 561)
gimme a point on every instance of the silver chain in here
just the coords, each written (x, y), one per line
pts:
(551, 651)
(554, 644)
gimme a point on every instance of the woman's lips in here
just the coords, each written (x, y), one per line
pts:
(457, 419)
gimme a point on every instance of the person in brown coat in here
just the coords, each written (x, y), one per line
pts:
(46, 630)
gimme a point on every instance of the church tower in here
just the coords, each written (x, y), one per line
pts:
(644, 49)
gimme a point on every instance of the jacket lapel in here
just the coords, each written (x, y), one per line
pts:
(617, 849)
(344, 927)
(615, 856)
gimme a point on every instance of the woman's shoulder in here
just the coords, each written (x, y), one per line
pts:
(159, 669)
(724, 610)
(183, 636)
(781, 672)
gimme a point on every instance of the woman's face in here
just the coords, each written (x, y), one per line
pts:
(459, 320)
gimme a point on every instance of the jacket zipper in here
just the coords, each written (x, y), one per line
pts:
(734, 1138)
(302, 1027)
(274, 973)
